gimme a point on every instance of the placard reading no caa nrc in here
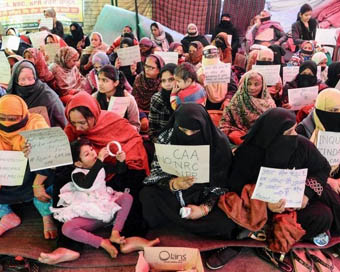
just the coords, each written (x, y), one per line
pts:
(185, 160)
(49, 148)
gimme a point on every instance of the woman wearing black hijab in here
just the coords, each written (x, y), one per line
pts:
(307, 77)
(166, 194)
(304, 29)
(333, 74)
(77, 38)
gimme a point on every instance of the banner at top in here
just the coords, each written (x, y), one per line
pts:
(24, 14)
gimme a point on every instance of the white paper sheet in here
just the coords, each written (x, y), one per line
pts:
(129, 55)
(168, 57)
(329, 146)
(271, 73)
(300, 97)
(12, 168)
(218, 73)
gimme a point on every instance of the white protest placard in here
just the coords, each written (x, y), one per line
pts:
(119, 105)
(5, 69)
(229, 38)
(38, 38)
(51, 50)
(329, 146)
(129, 55)
(12, 168)
(168, 57)
(46, 22)
(300, 97)
(10, 42)
(338, 86)
(289, 73)
(185, 160)
(49, 148)
(274, 184)
(271, 73)
(326, 36)
(217, 73)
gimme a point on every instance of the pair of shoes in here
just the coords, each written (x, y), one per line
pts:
(301, 260)
(277, 259)
(219, 258)
(322, 260)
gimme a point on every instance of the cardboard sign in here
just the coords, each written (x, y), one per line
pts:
(51, 50)
(326, 36)
(46, 22)
(129, 55)
(169, 259)
(289, 73)
(300, 97)
(168, 57)
(119, 105)
(275, 184)
(49, 148)
(5, 69)
(185, 160)
(10, 42)
(38, 38)
(271, 73)
(218, 73)
(329, 146)
(42, 110)
(12, 168)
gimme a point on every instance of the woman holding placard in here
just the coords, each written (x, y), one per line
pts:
(177, 199)
(15, 118)
(22, 44)
(26, 84)
(58, 27)
(111, 84)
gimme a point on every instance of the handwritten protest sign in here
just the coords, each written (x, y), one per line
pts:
(326, 36)
(300, 97)
(275, 184)
(185, 160)
(46, 22)
(289, 73)
(12, 168)
(329, 146)
(271, 73)
(51, 50)
(129, 55)
(5, 69)
(38, 38)
(42, 110)
(168, 57)
(10, 42)
(49, 148)
(119, 105)
(218, 73)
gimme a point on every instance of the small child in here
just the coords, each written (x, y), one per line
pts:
(88, 203)
(187, 89)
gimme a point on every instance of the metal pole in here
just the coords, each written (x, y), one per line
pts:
(137, 19)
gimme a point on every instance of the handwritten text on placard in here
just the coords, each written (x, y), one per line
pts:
(12, 168)
(329, 146)
(168, 57)
(49, 148)
(271, 73)
(185, 160)
(129, 55)
(300, 97)
(119, 105)
(218, 73)
(38, 38)
(275, 184)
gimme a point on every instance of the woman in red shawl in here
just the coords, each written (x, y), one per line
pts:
(68, 79)
(35, 56)
(52, 38)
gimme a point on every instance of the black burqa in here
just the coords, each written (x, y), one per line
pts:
(161, 206)
(333, 74)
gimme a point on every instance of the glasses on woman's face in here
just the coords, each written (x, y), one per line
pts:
(148, 67)
(11, 118)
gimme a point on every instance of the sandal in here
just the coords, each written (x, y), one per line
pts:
(276, 259)
(258, 235)
(323, 262)
(301, 260)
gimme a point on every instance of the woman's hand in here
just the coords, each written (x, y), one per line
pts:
(304, 202)
(26, 149)
(278, 207)
(40, 193)
(196, 212)
(121, 156)
(335, 184)
(286, 106)
(133, 68)
(117, 63)
(182, 183)
(9, 52)
(103, 154)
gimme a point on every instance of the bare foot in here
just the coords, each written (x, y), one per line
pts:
(137, 243)
(58, 256)
(116, 238)
(9, 221)
(50, 230)
(106, 244)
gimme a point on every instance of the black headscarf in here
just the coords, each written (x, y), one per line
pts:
(127, 41)
(170, 67)
(333, 74)
(194, 116)
(278, 53)
(76, 35)
(267, 134)
(307, 80)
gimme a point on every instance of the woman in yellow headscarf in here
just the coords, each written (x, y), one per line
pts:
(325, 117)
(15, 118)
